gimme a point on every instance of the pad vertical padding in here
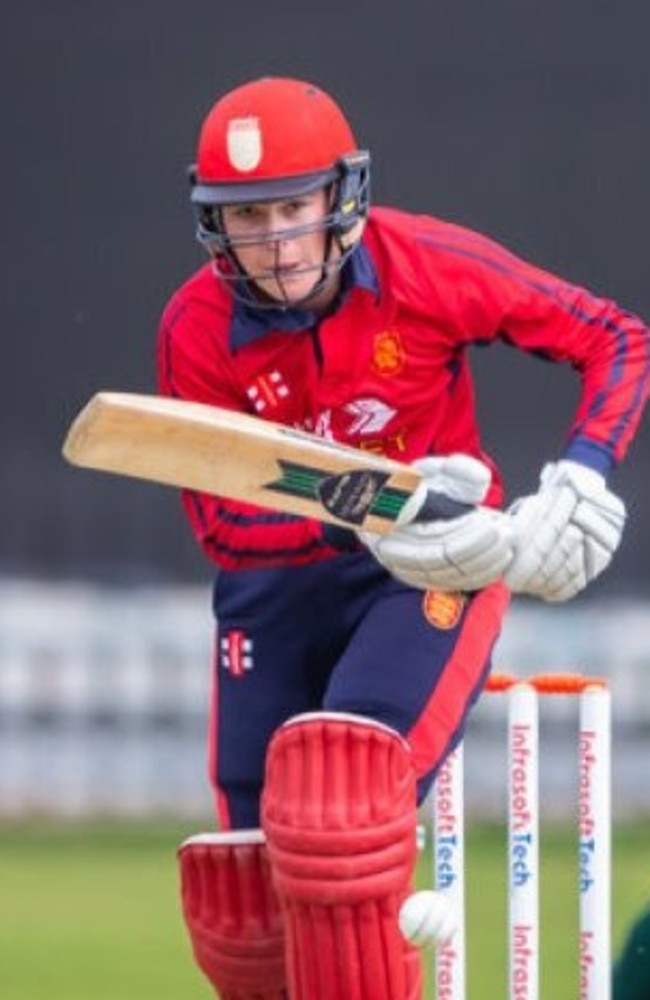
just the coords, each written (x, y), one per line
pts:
(339, 813)
(233, 915)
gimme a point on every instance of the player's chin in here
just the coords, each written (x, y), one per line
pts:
(291, 289)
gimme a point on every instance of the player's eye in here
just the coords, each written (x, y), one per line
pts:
(247, 213)
(295, 206)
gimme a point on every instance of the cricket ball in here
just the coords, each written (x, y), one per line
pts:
(427, 918)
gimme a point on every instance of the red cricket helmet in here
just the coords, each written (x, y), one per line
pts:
(277, 138)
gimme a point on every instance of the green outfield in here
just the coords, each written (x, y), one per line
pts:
(91, 912)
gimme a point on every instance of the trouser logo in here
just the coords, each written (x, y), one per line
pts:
(236, 652)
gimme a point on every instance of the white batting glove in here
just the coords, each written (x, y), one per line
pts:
(463, 553)
(565, 534)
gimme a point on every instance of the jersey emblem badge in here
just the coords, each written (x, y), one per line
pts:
(388, 353)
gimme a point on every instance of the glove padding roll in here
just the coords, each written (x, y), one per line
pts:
(463, 553)
(565, 534)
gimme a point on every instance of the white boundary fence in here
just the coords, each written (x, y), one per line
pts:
(103, 698)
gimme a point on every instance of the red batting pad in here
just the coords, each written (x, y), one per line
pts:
(232, 914)
(339, 812)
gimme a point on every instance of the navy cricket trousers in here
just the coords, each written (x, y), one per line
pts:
(340, 635)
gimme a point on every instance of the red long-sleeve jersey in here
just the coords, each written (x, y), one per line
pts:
(387, 370)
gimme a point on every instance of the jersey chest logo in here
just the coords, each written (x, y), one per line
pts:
(360, 418)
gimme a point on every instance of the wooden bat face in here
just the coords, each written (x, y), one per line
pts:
(199, 447)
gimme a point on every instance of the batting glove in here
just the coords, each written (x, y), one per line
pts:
(463, 553)
(565, 534)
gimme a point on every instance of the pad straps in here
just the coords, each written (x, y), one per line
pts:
(232, 914)
(339, 812)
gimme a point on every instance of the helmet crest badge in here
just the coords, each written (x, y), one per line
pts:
(244, 143)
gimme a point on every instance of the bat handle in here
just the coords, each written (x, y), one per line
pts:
(438, 507)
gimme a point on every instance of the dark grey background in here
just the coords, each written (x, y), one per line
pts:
(526, 120)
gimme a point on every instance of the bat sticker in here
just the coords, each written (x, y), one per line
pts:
(350, 496)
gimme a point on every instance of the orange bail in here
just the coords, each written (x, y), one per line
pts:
(546, 683)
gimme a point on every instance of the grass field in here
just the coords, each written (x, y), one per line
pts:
(91, 912)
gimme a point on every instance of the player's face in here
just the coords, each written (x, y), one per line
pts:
(282, 245)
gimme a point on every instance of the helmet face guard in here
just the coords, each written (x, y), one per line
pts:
(348, 181)
(349, 205)
(276, 140)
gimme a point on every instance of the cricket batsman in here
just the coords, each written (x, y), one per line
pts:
(345, 664)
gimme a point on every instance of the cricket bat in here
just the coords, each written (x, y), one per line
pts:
(217, 451)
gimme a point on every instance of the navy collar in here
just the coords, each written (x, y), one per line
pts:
(248, 323)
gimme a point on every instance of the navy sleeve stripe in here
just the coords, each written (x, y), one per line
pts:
(554, 292)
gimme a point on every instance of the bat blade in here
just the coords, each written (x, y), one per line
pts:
(199, 447)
